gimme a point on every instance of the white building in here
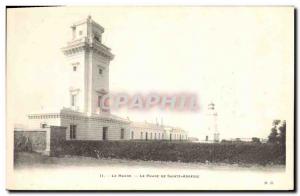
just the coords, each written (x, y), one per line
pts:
(147, 131)
(175, 133)
(88, 80)
(151, 131)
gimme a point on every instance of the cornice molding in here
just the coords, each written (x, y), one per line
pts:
(81, 45)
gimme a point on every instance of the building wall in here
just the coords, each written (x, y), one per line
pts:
(79, 27)
(100, 82)
(91, 127)
(87, 127)
(176, 134)
(156, 132)
(139, 133)
(76, 79)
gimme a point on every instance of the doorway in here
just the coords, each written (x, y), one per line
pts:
(104, 133)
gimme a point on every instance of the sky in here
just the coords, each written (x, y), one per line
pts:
(240, 58)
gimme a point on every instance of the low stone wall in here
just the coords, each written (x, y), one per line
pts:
(33, 140)
(47, 141)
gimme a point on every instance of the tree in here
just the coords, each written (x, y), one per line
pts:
(276, 123)
(273, 135)
(255, 140)
(282, 133)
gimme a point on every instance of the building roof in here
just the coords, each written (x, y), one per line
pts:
(146, 125)
(67, 111)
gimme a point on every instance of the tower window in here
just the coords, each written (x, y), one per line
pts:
(74, 66)
(74, 32)
(99, 101)
(73, 100)
(100, 71)
(80, 32)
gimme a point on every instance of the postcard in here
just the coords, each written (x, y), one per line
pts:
(144, 98)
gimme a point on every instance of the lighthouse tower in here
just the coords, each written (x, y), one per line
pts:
(212, 128)
(88, 62)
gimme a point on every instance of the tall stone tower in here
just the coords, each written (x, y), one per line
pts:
(212, 123)
(88, 66)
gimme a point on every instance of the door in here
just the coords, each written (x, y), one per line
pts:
(104, 133)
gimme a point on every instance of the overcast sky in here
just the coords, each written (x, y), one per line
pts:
(239, 58)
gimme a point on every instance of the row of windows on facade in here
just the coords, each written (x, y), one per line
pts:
(122, 134)
(75, 65)
(159, 136)
(73, 129)
(74, 98)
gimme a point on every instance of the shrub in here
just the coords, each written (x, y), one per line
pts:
(242, 153)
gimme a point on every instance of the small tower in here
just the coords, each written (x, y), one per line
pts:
(212, 123)
(88, 66)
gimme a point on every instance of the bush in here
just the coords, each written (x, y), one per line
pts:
(241, 153)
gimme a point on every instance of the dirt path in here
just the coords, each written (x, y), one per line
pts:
(28, 160)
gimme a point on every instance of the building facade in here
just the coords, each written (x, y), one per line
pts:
(88, 60)
(151, 131)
